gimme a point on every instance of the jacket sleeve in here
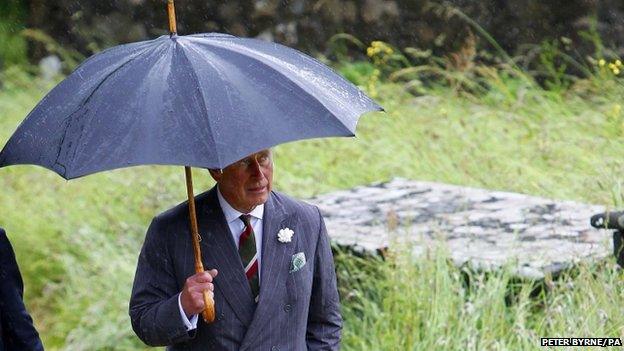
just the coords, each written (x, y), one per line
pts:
(17, 325)
(324, 319)
(153, 309)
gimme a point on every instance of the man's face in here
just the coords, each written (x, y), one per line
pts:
(247, 183)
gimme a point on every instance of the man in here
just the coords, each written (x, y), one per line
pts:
(16, 326)
(273, 278)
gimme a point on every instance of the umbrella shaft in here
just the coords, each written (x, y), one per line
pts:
(199, 267)
(172, 17)
(209, 313)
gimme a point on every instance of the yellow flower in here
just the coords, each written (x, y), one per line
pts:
(618, 63)
(616, 71)
(602, 62)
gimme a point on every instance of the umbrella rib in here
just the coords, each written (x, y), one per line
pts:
(115, 48)
(85, 101)
(203, 104)
(303, 89)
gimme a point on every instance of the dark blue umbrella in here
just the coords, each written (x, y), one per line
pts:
(204, 100)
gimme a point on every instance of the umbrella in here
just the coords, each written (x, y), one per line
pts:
(204, 100)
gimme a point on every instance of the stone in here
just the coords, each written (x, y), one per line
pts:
(50, 67)
(374, 10)
(266, 35)
(349, 11)
(297, 7)
(287, 33)
(265, 8)
(481, 228)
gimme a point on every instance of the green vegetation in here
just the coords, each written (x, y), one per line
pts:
(12, 45)
(426, 304)
(449, 120)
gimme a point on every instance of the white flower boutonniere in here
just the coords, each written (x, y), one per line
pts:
(285, 235)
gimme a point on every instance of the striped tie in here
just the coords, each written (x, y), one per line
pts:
(249, 256)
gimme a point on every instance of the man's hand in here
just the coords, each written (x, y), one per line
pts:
(192, 296)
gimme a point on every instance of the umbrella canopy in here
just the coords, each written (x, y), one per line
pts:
(204, 100)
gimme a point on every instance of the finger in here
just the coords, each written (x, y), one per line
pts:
(213, 272)
(201, 287)
(200, 293)
(198, 278)
(198, 299)
(202, 277)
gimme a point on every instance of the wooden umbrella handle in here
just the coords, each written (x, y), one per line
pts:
(209, 312)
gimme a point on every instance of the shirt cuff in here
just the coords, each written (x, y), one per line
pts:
(190, 324)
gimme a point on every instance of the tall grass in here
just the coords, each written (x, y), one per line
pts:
(402, 303)
(486, 126)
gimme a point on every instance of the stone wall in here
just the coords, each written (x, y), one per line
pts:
(92, 25)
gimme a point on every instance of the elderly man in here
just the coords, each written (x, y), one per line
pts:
(272, 273)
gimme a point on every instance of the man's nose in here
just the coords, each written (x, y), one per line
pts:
(256, 169)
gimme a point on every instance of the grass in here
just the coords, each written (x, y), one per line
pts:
(13, 47)
(516, 138)
(77, 242)
(426, 304)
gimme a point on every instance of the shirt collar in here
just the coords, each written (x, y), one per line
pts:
(232, 214)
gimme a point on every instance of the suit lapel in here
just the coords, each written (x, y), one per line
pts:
(219, 251)
(274, 267)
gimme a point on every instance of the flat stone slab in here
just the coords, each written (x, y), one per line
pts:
(485, 229)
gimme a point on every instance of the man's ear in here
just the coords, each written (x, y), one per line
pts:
(216, 174)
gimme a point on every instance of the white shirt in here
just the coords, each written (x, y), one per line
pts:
(232, 217)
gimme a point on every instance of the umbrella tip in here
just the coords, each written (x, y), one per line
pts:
(172, 18)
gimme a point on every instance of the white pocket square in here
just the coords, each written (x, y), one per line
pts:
(297, 262)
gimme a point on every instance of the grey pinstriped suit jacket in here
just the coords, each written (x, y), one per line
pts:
(295, 311)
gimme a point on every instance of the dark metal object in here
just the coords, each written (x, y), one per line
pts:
(612, 220)
(608, 220)
(618, 247)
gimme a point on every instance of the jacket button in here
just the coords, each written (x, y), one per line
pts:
(287, 307)
(274, 348)
(221, 316)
